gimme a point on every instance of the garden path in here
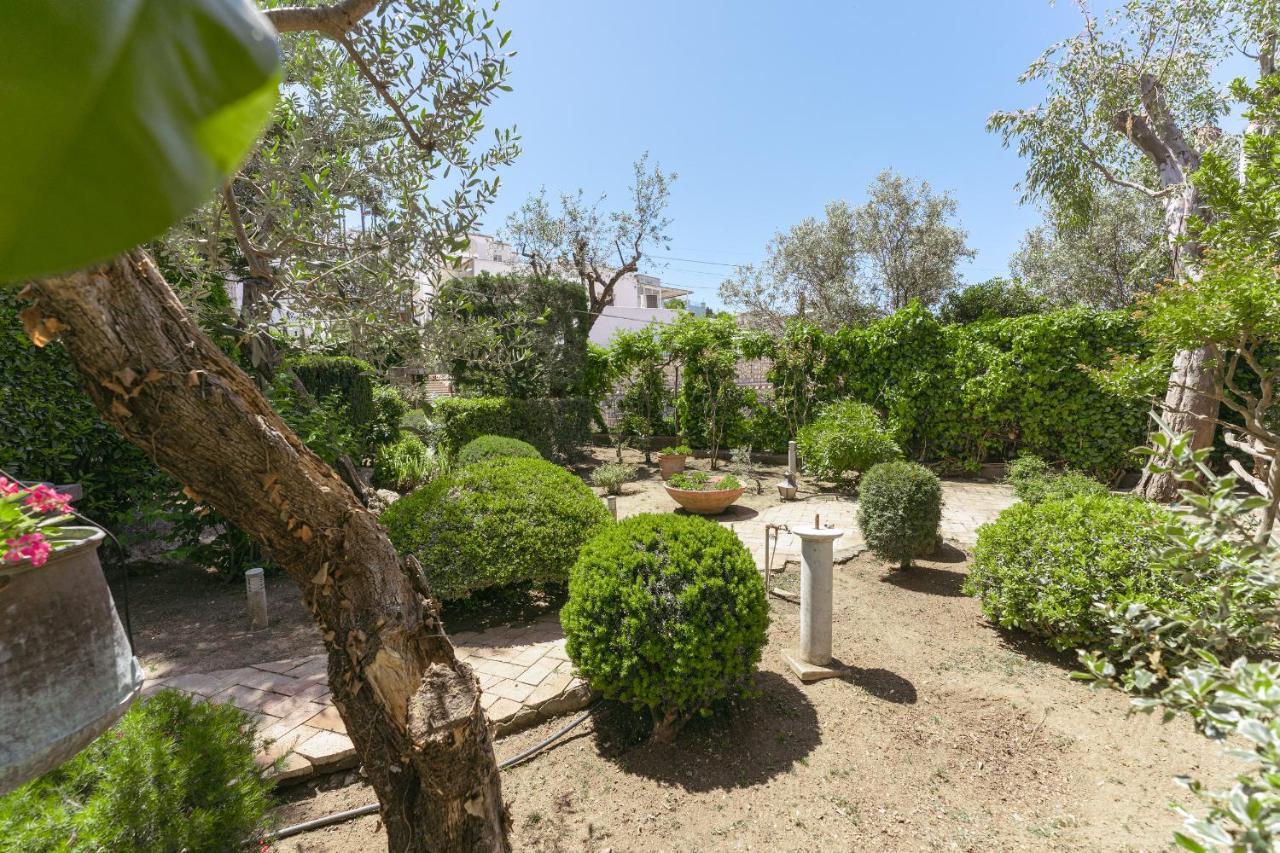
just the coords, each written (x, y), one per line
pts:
(524, 673)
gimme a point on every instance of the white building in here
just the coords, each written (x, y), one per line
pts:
(638, 299)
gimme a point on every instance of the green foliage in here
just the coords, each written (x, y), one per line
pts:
(1041, 567)
(612, 476)
(1034, 481)
(968, 394)
(994, 299)
(710, 401)
(324, 423)
(389, 409)
(52, 432)
(175, 773)
(491, 446)
(1212, 657)
(557, 427)
(637, 360)
(350, 381)
(176, 92)
(404, 464)
(701, 481)
(666, 613)
(496, 523)
(847, 437)
(676, 450)
(899, 510)
(518, 336)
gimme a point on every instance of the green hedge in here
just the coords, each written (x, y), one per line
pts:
(967, 394)
(900, 510)
(496, 523)
(666, 613)
(1042, 567)
(556, 426)
(350, 380)
(49, 429)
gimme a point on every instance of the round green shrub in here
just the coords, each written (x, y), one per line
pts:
(1041, 567)
(175, 773)
(494, 446)
(1033, 481)
(666, 613)
(899, 510)
(846, 437)
(495, 523)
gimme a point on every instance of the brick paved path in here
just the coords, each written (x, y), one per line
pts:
(523, 670)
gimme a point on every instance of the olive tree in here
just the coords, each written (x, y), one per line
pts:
(188, 88)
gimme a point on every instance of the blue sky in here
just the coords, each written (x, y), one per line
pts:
(767, 110)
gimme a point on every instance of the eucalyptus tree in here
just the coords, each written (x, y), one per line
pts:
(1133, 101)
(175, 92)
(577, 239)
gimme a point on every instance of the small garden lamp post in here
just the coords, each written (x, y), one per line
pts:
(812, 661)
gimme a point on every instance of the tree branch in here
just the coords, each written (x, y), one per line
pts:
(385, 93)
(333, 21)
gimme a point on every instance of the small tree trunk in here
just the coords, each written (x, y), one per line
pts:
(410, 706)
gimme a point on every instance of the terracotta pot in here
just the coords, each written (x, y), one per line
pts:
(66, 670)
(670, 464)
(711, 502)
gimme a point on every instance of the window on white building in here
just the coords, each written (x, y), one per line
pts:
(650, 300)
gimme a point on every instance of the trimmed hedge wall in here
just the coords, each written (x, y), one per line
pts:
(980, 392)
(555, 426)
(350, 379)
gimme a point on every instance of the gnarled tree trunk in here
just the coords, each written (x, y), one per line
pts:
(411, 707)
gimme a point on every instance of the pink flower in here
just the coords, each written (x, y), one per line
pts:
(28, 546)
(44, 499)
(9, 487)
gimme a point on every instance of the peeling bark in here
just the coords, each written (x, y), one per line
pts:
(411, 707)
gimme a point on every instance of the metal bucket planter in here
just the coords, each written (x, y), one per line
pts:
(66, 670)
(670, 464)
(705, 502)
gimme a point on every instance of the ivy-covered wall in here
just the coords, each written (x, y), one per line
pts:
(966, 394)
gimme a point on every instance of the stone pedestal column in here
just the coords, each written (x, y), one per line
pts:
(812, 660)
(787, 486)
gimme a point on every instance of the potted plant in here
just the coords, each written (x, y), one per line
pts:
(66, 669)
(671, 459)
(702, 493)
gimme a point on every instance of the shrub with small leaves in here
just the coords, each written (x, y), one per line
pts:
(175, 773)
(612, 476)
(899, 510)
(499, 522)
(1033, 481)
(666, 613)
(494, 446)
(404, 464)
(1044, 567)
(847, 438)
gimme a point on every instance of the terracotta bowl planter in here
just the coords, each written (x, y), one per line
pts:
(709, 502)
(66, 670)
(670, 464)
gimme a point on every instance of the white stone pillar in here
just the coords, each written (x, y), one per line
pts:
(812, 660)
(256, 589)
(787, 487)
(613, 506)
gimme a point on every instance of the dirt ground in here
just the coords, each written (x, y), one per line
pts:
(946, 735)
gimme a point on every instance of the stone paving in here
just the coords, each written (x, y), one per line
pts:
(524, 674)
(523, 670)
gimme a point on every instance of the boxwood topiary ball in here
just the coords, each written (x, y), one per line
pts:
(495, 523)
(493, 446)
(899, 510)
(666, 613)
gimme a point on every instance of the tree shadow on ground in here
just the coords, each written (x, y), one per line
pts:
(928, 580)
(880, 683)
(947, 553)
(738, 747)
(1035, 648)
